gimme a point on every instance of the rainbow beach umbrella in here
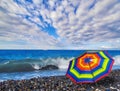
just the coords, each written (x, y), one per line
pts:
(90, 67)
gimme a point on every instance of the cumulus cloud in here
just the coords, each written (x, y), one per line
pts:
(18, 32)
(78, 24)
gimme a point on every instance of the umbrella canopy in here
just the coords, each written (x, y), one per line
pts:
(90, 67)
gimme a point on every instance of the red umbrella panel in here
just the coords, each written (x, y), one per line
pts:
(90, 67)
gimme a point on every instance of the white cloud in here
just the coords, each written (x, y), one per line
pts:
(79, 23)
(18, 32)
(90, 25)
(37, 2)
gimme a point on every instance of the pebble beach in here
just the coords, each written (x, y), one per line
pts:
(62, 83)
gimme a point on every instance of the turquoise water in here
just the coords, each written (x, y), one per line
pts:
(25, 64)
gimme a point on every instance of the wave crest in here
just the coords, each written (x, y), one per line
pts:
(40, 64)
(117, 60)
(34, 64)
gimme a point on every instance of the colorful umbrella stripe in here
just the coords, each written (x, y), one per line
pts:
(90, 67)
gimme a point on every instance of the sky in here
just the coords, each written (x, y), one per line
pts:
(60, 24)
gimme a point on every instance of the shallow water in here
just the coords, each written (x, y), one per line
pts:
(28, 75)
(32, 74)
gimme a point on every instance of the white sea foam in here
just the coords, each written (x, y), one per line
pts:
(117, 60)
(36, 66)
(7, 62)
(61, 63)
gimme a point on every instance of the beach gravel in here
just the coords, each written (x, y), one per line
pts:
(62, 83)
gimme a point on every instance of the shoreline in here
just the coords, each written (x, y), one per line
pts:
(62, 83)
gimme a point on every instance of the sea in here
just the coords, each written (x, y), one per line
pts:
(27, 64)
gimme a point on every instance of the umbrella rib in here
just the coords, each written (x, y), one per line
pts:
(84, 69)
(91, 72)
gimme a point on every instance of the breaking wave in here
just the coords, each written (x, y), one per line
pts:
(117, 60)
(26, 65)
(34, 64)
